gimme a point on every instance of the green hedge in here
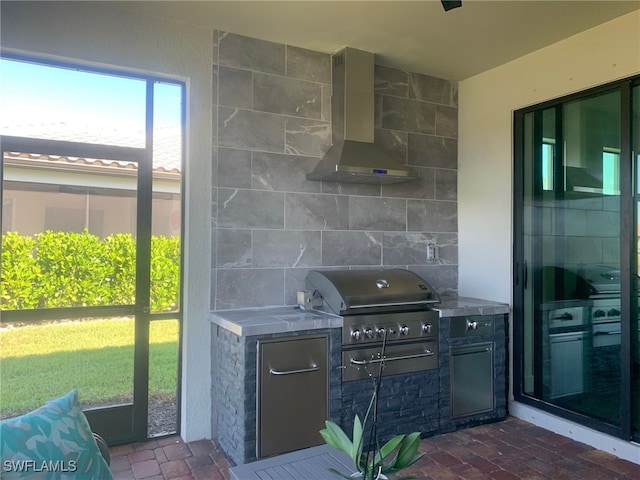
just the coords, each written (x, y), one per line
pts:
(66, 269)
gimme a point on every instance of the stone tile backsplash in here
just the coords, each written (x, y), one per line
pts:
(270, 225)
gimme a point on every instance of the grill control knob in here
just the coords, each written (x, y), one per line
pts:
(381, 331)
(599, 313)
(404, 330)
(472, 325)
(356, 335)
(614, 312)
(427, 328)
(368, 333)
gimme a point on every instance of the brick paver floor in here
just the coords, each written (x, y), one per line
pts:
(512, 449)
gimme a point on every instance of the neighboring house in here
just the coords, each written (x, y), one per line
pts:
(50, 192)
(75, 31)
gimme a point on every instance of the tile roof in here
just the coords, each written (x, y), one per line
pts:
(167, 143)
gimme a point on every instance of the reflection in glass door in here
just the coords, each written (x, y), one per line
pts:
(577, 258)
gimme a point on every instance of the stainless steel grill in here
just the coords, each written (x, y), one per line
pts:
(387, 317)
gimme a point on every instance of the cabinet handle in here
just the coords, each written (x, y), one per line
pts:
(313, 368)
(428, 353)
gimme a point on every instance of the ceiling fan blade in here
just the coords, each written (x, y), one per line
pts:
(449, 4)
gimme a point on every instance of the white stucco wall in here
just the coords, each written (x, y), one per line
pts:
(486, 103)
(608, 52)
(103, 34)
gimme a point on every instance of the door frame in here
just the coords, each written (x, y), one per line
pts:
(521, 276)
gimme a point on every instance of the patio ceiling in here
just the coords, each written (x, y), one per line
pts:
(418, 36)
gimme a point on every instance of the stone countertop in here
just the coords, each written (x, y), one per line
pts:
(461, 306)
(268, 320)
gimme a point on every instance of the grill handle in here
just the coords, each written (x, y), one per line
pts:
(394, 304)
(428, 353)
(313, 368)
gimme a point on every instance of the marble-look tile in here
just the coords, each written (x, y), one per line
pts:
(446, 121)
(431, 151)
(280, 172)
(432, 216)
(446, 184)
(574, 223)
(294, 280)
(603, 223)
(214, 207)
(248, 287)
(316, 212)
(214, 125)
(405, 248)
(442, 278)
(287, 96)
(214, 247)
(307, 137)
(610, 251)
(408, 115)
(447, 244)
(423, 187)
(239, 208)
(393, 142)
(429, 89)
(213, 288)
(251, 130)
(308, 65)
(595, 203)
(250, 53)
(576, 249)
(215, 161)
(276, 248)
(236, 88)
(215, 82)
(247, 322)
(410, 248)
(351, 248)
(234, 168)
(454, 94)
(216, 51)
(267, 217)
(391, 81)
(234, 248)
(345, 188)
(371, 213)
(378, 110)
(326, 103)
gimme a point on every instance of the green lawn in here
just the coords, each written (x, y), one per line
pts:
(40, 362)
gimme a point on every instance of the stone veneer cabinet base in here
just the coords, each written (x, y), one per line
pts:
(410, 402)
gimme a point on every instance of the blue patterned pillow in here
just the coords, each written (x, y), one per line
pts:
(52, 442)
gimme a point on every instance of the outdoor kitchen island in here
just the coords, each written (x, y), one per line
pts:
(237, 336)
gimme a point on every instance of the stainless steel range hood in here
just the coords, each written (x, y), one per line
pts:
(353, 157)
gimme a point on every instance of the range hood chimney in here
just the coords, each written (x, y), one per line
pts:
(353, 157)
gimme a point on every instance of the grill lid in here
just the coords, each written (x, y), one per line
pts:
(350, 291)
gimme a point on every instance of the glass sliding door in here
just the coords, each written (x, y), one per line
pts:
(576, 325)
(635, 319)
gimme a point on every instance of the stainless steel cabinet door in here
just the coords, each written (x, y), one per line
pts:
(293, 385)
(471, 379)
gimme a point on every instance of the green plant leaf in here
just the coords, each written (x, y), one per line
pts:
(356, 448)
(336, 438)
(407, 454)
(388, 448)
